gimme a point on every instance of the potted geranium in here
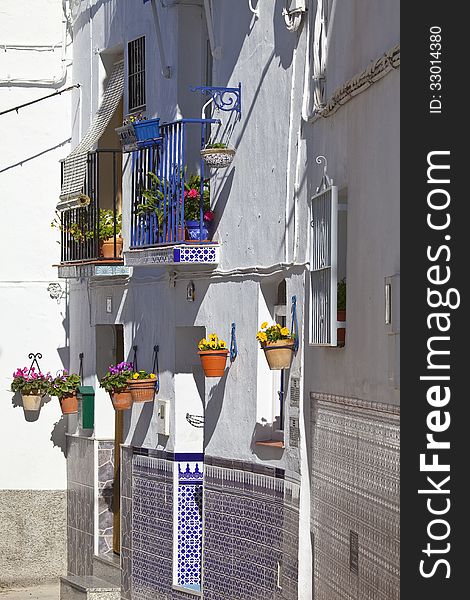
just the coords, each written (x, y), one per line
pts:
(341, 307)
(213, 354)
(278, 345)
(142, 386)
(65, 387)
(32, 385)
(115, 382)
(192, 208)
(217, 155)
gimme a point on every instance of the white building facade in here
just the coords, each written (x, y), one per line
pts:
(259, 483)
(35, 64)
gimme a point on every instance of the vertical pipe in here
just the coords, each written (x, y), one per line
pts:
(97, 205)
(114, 203)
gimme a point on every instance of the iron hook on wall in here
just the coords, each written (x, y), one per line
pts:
(233, 344)
(156, 349)
(35, 357)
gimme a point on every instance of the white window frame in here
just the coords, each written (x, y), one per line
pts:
(323, 259)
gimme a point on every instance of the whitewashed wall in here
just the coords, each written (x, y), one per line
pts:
(33, 142)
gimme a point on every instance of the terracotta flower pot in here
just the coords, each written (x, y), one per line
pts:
(107, 248)
(279, 354)
(142, 390)
(69, 404)
(121, 400)
(31, 401)
(213, 362)
(341, 331)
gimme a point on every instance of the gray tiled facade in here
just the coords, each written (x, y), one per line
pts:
(105, 496)
(355, 450)
(80, 505)
(250, 526)
(126, 522)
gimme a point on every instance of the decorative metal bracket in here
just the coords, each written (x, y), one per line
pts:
(80, 370)
(195, 420)
(233, 344)
(134, 360)
(56, 292)
(224, 98)
(156, 349)
(34, 357)
(326, 181)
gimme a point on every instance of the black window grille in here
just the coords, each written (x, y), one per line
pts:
(136, 65)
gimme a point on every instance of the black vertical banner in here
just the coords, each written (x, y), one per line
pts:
(435, 362)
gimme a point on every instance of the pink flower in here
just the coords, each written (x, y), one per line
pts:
(209, 216)
(193, 193)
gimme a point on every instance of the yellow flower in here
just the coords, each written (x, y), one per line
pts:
(213, 345)
(261, 336)
(152, 376)
(212, 337)
(135, 376)
(278, 326)
(264, 325)
(222, 344)
(284, 331)
(203, 342)
(200, 346)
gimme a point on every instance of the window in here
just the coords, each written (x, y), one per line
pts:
(327, 266)
(136, 70)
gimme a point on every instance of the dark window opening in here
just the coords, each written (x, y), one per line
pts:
(136, 74)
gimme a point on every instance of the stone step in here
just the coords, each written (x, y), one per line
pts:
(88, 587)
(107, 567)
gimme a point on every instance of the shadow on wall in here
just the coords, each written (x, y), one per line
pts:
(214, 408)
(58, 438)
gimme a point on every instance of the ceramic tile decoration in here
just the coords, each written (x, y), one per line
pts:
(195, 254)
(355, 448)
(105, 496)
(190, 479)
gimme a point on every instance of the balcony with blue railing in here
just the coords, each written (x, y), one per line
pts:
(171, 213)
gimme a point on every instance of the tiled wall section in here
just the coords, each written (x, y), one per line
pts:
(126, 522)
(105, 496)
(80, 505)
(251, 525)
(355, 478)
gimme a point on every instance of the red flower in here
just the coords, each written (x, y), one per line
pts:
(193, 193)
(209, 215)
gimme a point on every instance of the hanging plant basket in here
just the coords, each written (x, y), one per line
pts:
(127, 137)
(69, 404)
(31, 401)
(121, 400)
(217, 158)
(213, 362)
(142, 390)
(279, 354)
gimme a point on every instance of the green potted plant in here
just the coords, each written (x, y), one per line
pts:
(213, 354)
(341, 306)
(217, 155)
(106, 233)
(32, 386)
(115, 382)
(152, 203)
(142, 386)
(65, 387)
(192, 209)
(278, 345)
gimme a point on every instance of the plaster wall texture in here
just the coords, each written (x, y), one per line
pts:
(33, 141)
(38, 518)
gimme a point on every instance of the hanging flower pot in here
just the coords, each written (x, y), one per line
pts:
(146, 132)
(142, 386)
(213, 354)
(69, 403)
(217, 156)
(121, 400)
(65, 387)
(32, 385)
(31, 401)
(278, 345)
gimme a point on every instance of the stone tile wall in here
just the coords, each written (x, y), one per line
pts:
(105, 496)
(355, 500)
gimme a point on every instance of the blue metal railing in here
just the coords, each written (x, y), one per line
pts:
(159, 174)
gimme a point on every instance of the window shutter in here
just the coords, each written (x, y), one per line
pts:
(323, 267)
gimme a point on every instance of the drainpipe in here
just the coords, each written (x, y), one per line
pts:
(166, 70)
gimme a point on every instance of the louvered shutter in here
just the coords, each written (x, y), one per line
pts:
(323, 267)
